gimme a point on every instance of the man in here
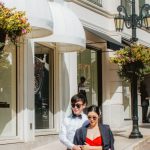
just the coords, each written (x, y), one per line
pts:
(73, 122)
(144, 102)
(81, 86)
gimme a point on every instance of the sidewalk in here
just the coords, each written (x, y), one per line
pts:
(122, 142)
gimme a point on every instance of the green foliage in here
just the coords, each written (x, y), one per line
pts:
(133, 61)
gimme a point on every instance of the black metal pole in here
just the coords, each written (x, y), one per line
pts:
(135, 128)
(134, 101)
(134, 23)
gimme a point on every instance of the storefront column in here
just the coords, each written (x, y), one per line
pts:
(117, 96)
(113, 104)
(29, 91)
(68, 75)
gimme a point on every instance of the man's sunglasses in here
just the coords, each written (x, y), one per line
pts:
(92, 117)
(76, 105)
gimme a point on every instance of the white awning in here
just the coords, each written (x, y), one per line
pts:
(68, 32)
(38, 14)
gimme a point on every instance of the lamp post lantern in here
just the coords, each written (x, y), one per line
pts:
(132, 22)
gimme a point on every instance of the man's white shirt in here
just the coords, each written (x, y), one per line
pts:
(69, 127)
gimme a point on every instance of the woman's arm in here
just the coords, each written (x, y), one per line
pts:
(76, 138)
(111, 140)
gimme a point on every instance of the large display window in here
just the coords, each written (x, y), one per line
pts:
(8, 92)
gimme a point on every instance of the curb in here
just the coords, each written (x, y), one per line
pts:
(139, 145)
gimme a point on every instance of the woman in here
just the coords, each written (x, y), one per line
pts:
(94, 135)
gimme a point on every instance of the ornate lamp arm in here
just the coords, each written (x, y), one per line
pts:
(145, 8)
(127, 19)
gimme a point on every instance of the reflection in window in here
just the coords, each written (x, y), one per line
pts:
(128, 5)
(141, 3)
(8, 94)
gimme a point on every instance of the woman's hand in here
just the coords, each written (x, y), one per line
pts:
(76, 147)
(85, 147)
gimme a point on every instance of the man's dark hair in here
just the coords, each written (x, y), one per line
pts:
(79, 97)
(82, 78)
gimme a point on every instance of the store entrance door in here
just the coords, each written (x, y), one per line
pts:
(90, 67)
(43, 72)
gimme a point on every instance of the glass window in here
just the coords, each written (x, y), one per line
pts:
(96, 2)
(127, 4)
(87, 68)
(141, 3)
(8, 90)
(43, 72)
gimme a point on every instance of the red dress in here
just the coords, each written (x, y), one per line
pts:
(95, 142)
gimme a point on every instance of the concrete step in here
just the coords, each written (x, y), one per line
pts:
(52, 146)
(146, 146)
(143, 145)
(40, 141)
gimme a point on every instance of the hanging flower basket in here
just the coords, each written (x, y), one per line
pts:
(13, 24)
(130, 70)
(132, 61)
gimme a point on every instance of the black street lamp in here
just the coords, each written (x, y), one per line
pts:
(132, 22)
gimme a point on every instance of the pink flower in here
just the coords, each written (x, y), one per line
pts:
(1, 3)
(24, 31)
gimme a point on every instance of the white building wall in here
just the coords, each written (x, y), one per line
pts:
(147, 1)
(93, 18)
(110, 5)
(115, 110)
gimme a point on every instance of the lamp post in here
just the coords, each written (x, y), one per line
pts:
(132, 22)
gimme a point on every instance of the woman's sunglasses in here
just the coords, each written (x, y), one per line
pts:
(92, 117)
(76, 105)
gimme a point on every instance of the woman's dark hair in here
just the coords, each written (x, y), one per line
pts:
(79, 97)
(94, 108)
